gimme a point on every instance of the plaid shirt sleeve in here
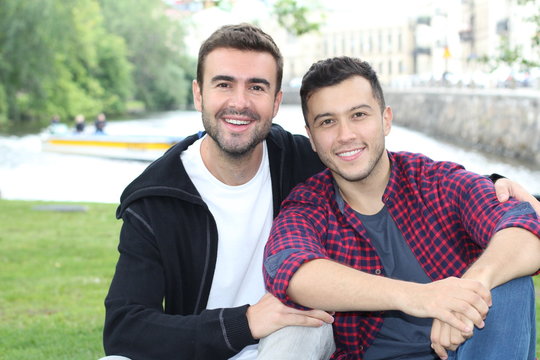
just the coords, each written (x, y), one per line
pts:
(482, 215)
(296, 238)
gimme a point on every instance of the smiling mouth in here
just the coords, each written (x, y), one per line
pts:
(237, 122)
(349, 153)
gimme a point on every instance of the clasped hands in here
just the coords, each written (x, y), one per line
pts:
(457, 306)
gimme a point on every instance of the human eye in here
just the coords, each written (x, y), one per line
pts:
(223, 85)
(326, 122)
(359, 115)
(258, 88)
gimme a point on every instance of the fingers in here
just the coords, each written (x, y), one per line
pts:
(317, 314)
(454, 300)
(478, 289)
(475, 305)
(506, 188)
(444, 338)
(301, 320)
(473, 310)
(502, 188)
(269, 315)
(453, 320)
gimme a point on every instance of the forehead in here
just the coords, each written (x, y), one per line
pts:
(341, 97)
(240, 64)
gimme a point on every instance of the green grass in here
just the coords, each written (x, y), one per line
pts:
(55, 270)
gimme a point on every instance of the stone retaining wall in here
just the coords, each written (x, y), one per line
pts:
(503, 122)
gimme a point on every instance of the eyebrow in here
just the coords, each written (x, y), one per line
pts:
(254, 80)
(361, 106)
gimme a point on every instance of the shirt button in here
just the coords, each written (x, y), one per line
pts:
(378, 272)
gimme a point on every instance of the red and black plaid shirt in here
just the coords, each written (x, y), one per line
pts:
(446, 214)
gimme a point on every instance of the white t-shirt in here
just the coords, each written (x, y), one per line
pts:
(243, 215)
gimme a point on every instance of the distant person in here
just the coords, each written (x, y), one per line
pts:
(56, 126)
(417, 257)
(188, 282)
(100, 123)
(79, 124)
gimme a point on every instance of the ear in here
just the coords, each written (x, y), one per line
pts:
(277, 102)
(310, 139)
(197, 96)
(388, 117)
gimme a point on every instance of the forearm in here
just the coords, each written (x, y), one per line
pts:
(330, 286)
(146, 333)
(511, 253)
(325, 284)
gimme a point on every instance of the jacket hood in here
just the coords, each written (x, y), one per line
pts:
(165, 176)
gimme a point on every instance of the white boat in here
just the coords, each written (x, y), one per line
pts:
(136, 147)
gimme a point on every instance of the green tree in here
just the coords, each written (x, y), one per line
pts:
(56, 57)
(296, 17)
(161, 70)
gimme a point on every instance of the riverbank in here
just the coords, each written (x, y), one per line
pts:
(28, 173)
(56, 270)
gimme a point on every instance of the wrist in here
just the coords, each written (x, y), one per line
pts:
(403, 299)
(482, 275)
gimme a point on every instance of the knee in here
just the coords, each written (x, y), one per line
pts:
(514, 299)
(519, 289)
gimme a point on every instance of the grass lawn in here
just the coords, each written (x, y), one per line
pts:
(55, 269)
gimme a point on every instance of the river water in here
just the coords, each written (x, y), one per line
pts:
(28, 173)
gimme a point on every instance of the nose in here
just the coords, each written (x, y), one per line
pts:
(239, 98)
(345, 132)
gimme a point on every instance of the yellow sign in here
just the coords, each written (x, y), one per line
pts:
(447, 53)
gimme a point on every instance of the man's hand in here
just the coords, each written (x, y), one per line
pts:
(449, 298)
(269, 315)
(444, 337)
(506, 188)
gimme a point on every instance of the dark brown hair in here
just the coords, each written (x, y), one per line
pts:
(241, 37)
(332, 71)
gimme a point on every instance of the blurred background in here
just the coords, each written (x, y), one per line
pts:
(462, 77)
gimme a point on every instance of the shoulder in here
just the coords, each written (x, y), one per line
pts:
(428, 175)
(292, 159)
(315, 191)
(415, 164)
(165, 176)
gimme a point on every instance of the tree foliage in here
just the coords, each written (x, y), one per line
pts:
(296, 17)
(64, 57)
(156, 50)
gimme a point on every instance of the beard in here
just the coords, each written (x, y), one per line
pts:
(371, 167)
(236, 145)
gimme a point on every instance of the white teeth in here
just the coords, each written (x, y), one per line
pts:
(237, 122)
(349, 153)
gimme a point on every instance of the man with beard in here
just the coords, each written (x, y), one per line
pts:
(188, 283)
(411, 254)
(197, 219)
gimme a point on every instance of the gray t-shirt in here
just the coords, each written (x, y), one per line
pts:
(401, 336)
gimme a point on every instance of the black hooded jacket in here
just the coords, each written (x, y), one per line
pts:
(156, 305)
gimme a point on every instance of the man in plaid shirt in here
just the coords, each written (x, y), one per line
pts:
(407, 251)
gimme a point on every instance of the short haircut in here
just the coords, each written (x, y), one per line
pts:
(244, 37)
(333, 71)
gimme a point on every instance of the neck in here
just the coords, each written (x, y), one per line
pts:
(230, 170)
(365, 196)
